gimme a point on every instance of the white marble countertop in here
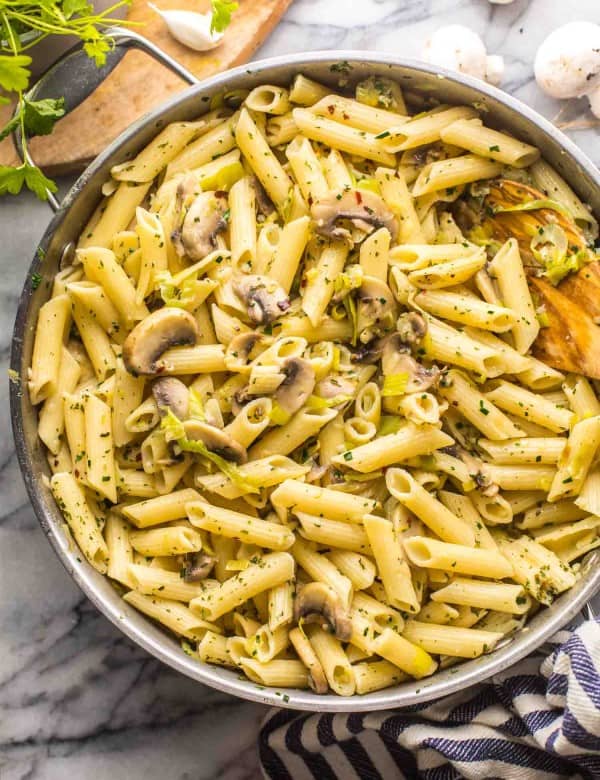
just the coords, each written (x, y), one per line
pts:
(77, 699)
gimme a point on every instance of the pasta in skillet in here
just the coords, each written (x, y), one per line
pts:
(288, 393)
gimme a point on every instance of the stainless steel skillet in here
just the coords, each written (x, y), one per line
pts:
(71, 215)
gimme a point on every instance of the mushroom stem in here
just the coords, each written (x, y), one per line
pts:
(317, 602)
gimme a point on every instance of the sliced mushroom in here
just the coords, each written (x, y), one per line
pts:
(365, 210)
(412, 328)
(265, 299)
(264, 203)
(298, 384)
(396, 359)
(171, 393)
(478, 471)
(369, 352)
(376, 308)
(204, 219)
(197, 567)
(215, 440)
(242, 349)
(318, 602)
(164, 328)
(334, 385)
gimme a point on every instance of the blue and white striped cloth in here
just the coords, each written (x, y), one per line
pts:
(539, 720)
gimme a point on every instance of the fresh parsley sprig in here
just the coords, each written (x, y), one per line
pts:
(42, 18)
(221, 14)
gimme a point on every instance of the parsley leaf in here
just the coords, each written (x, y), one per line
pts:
(40, 115)
(14, 76)
(13, 179)
(221, 15)
(76, 7)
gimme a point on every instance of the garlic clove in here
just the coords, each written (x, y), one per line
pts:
(190, 28)
(494, 69)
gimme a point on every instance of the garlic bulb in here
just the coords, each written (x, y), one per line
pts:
(190, 28)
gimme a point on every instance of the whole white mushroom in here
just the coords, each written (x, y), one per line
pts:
(567, 64)
(457, 47)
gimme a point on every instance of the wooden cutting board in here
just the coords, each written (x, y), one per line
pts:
(139, 83)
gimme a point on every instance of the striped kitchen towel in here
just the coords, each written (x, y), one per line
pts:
(539, 720)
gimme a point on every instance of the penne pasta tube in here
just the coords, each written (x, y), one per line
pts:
(321, 501)
(305, 91)
(448, 274)
(526, 477)
(589, 497)
(333, 660)
(154, 581)
(159, 152)
(162, 509)
(444, 174)
(576, 459)
(425, 129)
(507, 270)
(448, 345)
(342, 137)
(270, 571)
(173, 540)
(500, 596)
(404, 654)
(281, 606)
(409, 441)
(213, 649)
(530, 406)
(334, 533)
(72, 502)
(321, 569)
(265, 644)
(371, 676)
(279, 673)
(283, 440)
(202, 359)
(427, 508)
(396, 195)
(53, 323)
(359, 115)
(457, 559)
(359, 569)
(261, 159)
(319, 287)
(463, 507)
(524, 450)
(171, 614)
(392, 567)
(219, 140)
(466, 310)
(250, 530)
(120, 551)
(477, 408)
(451, 640)
(537, 569)
(470, 134)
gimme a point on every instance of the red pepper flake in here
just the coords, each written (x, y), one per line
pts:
(358, 197)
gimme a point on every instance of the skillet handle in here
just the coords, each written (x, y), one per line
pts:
(59, 80)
